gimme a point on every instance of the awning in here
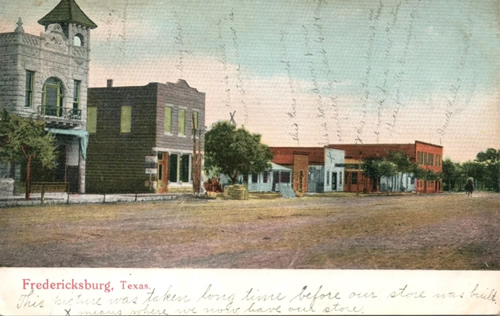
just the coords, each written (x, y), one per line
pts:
(276, 167)
(82, 134)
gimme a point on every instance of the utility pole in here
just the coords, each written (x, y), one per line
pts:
(195, 158)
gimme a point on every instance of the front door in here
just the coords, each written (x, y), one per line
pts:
(334, 181)
(162, 185)
(276, 179)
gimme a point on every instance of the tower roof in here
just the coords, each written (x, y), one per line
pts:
(67, 11)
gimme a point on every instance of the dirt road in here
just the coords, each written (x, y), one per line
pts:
(445, 231)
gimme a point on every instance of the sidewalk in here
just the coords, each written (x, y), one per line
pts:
(64, 198)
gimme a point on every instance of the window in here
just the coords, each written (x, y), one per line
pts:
(76, 97)
(182, 122)
(30, 76)
(78, 40)
(327, 178)
(340, 178)
(168, 120)
(255, 177)
(265, 177)
(53, 97)
(354, 178)
(126, 120)
(92, 120)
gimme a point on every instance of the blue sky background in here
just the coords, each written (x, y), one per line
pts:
(310, 72)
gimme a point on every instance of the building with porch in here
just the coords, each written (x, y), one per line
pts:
(143, 138)
(46, 77)
(315, 169)
(276, 179)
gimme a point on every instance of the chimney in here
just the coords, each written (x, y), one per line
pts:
(110, 83)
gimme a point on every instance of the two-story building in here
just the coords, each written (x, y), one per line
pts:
(46, 77)
(143, 138)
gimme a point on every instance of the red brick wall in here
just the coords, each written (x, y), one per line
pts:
(300, 170)
(285, 155)
(434, 152)
(363, 185)
(363, 151)
(429, 157)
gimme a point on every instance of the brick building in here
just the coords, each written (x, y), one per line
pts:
(46, 77)
(427, 156)
(141, 137)
(314, 169)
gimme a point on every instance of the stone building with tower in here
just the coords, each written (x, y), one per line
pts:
(144, 138)
(46, 77)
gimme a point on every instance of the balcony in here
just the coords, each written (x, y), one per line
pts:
(58, 117)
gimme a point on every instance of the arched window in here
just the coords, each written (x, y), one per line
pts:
(52, 97)
(78, 40)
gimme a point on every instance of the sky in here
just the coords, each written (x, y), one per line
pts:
(309, 73)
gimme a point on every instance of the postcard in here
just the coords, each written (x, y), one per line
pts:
(309, 157)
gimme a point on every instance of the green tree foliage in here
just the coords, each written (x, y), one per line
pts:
(394, 166)
(450, 172)
(401, 160)
(371, 168)
(235, 152)
(387, 168)
(375, 168)
(403, 164)
(484, 170)
(491, 154)
(25, 140)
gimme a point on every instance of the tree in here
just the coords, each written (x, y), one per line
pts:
(402, 163)
(371, 169)
(450, 173)
(25, 140)
(235, 152)
(387, 169)
(490, 159)
(490, 154)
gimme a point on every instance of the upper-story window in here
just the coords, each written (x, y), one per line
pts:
(78, 40)
(182, 122)
(30, 78)
(76, 94)
(168, 120)
(92, 119)
(53, 97)
(126, 120)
